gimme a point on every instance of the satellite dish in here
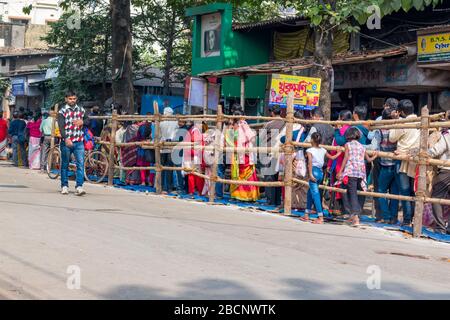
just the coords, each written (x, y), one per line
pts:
(444, 100)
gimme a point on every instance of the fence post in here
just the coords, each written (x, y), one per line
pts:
(288, 152)
(112, 147)
(158, 176)
(54, 117)
(217, 153)
(422, 179)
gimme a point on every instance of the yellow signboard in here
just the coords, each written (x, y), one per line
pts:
(306, 91)
(433, 47)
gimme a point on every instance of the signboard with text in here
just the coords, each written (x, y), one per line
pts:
(306, 91)
(433, 47)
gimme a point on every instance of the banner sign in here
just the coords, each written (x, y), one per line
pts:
(433, 48)
(18, 86)
(306, 91)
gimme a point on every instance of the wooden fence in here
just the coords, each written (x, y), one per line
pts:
(424, 123)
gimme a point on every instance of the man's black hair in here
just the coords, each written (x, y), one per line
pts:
(406, 106)
(361, 111)
(276, 110)
(387, 113)
(299, 114)
(352, 133)
(317, 112)
(70, 93)
(345, 115)
(391, 103)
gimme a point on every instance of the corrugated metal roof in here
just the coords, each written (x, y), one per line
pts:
(289, 21)
(306, 63)
(435, 28)
(13, 52)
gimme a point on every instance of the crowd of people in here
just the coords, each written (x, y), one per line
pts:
(353, 169)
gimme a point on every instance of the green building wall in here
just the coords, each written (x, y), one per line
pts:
(238, 49)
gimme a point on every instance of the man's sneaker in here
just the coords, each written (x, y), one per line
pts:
(79, 191)
(65, 190)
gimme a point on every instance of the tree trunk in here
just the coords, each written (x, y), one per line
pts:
(122, 83)
(105, 69)
(323, 56)
(169, 53)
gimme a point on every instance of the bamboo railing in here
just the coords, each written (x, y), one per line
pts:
(422, 123)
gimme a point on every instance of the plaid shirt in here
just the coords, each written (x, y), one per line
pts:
(355, 167)
(70, 114)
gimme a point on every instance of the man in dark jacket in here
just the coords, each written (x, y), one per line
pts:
(267, 138)
(17, 133)
(95, 125)
(325, 130)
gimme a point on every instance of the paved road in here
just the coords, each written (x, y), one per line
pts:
(137, 246)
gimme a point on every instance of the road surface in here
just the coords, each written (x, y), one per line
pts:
(116, 244)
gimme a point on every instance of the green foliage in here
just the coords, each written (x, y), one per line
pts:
(4, 84)
(83, 50)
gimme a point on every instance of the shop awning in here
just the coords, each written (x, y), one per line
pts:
(289, 66)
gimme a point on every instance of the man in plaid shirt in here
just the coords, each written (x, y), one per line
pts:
(71, 119)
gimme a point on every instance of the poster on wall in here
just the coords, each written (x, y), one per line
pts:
(306, 91)
(211, 33)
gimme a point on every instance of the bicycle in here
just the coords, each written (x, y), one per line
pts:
(95, 164)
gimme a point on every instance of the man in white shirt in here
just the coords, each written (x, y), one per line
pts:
(406, 139)
(168, 131)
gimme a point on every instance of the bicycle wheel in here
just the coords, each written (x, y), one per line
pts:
(54, 163)
(96, 167)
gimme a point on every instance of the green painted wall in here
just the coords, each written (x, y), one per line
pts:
(238, 49)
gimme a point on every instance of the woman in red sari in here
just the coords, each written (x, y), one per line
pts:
(242, 163)
(192, 158)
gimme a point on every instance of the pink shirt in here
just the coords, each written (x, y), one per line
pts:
(34, 128)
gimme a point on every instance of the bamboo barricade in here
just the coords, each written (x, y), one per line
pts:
(54, 115)
(288, 152)
(112, 148)
(423, 123)
(158, 176)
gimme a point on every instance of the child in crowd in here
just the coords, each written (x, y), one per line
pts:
(316, 160)
(353, 173)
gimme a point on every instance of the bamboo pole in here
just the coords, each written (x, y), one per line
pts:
(111, 149)
(134, 168)
(158, 175)
(422, 180)
(288, 152)
(54, 115)
(217, 153)
(252, 183)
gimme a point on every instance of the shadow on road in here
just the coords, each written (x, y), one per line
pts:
(214, 289)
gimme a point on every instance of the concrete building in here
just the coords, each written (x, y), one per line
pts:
(43, 12)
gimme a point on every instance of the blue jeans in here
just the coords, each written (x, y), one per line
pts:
(387, 182)
(313, 195)
(78, 151)
(405, 188)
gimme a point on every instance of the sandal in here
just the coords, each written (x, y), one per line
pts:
(318, 221)
(305, 218)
